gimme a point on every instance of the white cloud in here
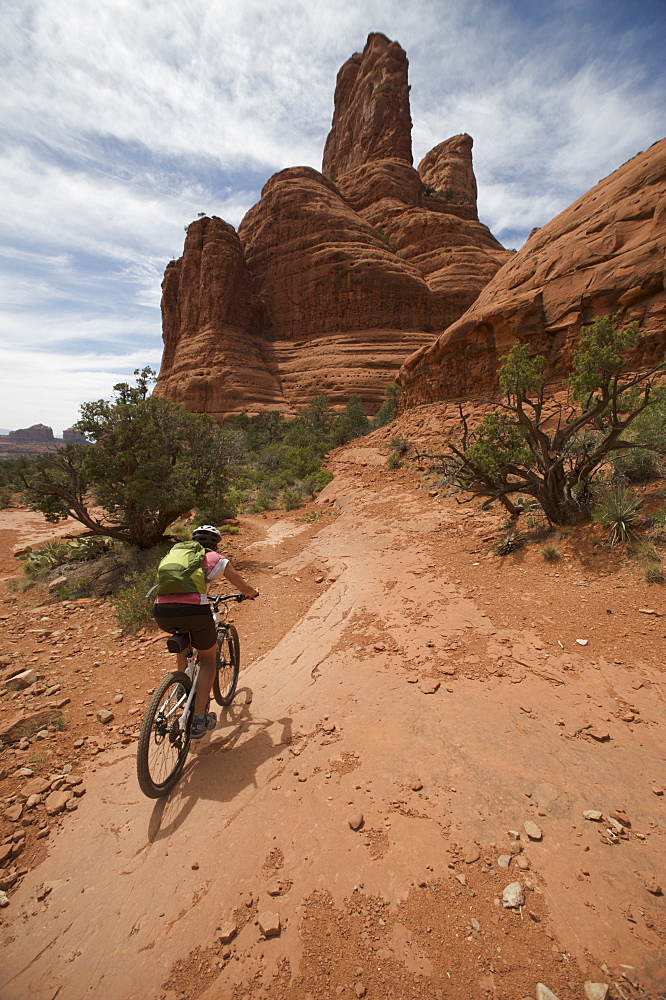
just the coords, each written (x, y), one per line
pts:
(123, 119)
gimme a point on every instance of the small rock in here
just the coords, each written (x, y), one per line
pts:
(4, 898)
(360, 990)
(472, 854)
(582, 642)
(653, 886)
(630, 974)
(416, 785)
(621, 816)
(504, 860)
(600, 735)
(269, 924)
(274, 889)
(462, 879)
(595, 991)
(513, 895)
(429, 686)
(523, 864)
(543, 993)
(476, 926)
(104, 716)
(515, 847)
(592, 814)
(20, 681)
(118, 698)
(532, 830)
(513, 834)
(56, 802)
(59, 581)
(319, 579)
(13, 814)
(228, 932)
(33, 801)
(356, 821)
(657, 791)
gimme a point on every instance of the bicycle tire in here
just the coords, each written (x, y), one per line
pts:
(227, 665)
(162, 748)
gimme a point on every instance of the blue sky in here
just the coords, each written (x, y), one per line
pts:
(121, 120)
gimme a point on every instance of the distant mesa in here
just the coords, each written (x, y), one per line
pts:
(337, 280)
(334, 277)
(37, 433)
(36, 440)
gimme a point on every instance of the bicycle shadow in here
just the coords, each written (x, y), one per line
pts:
(223, 766)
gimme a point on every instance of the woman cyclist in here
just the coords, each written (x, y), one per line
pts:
(191, 611)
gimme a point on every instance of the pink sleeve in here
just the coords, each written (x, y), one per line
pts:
(214, 565)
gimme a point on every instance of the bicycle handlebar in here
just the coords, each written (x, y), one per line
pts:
(229, 597)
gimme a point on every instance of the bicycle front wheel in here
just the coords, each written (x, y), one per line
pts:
(227, 665)
(163, 744)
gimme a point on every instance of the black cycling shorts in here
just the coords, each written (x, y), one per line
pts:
(196, 618)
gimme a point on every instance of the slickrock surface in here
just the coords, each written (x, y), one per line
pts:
(334, 278)
(604, 254)
(390, 590)
(371, 119)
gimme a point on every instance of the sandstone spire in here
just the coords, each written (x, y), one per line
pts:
(371, 119)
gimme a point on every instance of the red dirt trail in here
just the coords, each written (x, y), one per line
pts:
(392, 667)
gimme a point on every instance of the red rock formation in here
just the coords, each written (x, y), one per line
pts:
(329, 286)
(215, 359)
(602, 255)
(448, 176)
(371, 119)
(37, 433)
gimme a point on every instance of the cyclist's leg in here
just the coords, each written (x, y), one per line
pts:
(205, 681)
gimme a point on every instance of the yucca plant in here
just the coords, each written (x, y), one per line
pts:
(619, 511)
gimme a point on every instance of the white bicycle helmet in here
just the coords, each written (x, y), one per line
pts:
(207, 535)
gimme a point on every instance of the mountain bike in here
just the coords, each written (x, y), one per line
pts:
(164, 740)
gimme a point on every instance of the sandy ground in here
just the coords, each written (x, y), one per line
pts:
(393, 669)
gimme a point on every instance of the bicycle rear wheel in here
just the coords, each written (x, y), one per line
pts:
(227, 665)
(163, 745)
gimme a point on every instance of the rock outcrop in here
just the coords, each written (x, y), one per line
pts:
(333, 278)
(605, 254)
(371, 119)
(37, 433)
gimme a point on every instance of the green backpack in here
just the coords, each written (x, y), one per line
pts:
(181, 570)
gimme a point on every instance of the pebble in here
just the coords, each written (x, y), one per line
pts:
(355, 821)
(105, 716)
(543, 993)
(472, 854)
(56, 802)
(504, 860)
(629, 973)
(592, 814)
(429, 686)
(227, 932)
(513, 895)
(360, 990)
(269, 923)
(4, 898)
(532, 830)
(13, 814)
(595, 991)
(118, 698)
(653, 886)
(523, 864)
(582, 642)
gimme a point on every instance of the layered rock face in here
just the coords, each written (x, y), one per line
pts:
(334, 277)
(605, 254)
(36, 433)
(371, 118)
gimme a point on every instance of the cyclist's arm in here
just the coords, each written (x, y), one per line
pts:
(236, 580)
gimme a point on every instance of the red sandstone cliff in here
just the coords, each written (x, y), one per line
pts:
(604, 254)
(331, 280)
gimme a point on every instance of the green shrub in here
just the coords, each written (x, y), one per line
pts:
(511, 541)
(131, 607)
(5, 497)
(400, 444)
(394, 461)
(619, 511)
(550, 552)
(637, 465)
(650, 562)
(291, 498)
